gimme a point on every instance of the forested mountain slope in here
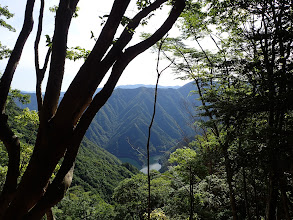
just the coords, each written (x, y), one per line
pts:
(98, 171)
(121, 126)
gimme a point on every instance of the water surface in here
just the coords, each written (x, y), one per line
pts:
(154, 166)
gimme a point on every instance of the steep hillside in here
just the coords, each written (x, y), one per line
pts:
(98, 171)
(121, 126)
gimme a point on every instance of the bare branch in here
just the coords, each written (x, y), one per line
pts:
(40, 73)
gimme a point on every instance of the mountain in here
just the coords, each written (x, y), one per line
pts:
(121, 126)
(135, 86)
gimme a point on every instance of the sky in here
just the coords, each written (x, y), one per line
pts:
(142, 70)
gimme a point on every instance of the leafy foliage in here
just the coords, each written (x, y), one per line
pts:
(4, 51)
(5, 12)
(78, 204)
(24, 123)
(98, 171)
(76, 53)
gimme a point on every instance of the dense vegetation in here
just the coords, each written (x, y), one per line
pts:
(62, 126)
(239, 163)
(98, 171)
(121, 125)
(245, 87)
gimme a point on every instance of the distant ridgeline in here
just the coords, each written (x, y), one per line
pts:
(121, 126)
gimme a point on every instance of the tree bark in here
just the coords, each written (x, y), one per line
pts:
(50, 215)
(9, 139)
(59, 46)
(12, 145)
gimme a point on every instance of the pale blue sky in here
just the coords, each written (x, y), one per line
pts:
(141, 71)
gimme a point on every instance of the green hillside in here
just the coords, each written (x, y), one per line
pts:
(122, 123)
(98, 171)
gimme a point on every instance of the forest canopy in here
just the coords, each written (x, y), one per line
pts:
(239, 163)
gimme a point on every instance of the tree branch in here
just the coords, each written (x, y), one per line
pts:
(92, 73)
(11, 142)
(107, 35)
(56, 190)
(9, 139)
(6, 79)
(40, 73)
(121, 63)
(63, 19)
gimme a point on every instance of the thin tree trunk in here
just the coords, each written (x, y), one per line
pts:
(245, 194)
(285, 200)
(191, 193)
(272, 198)
(256, 200)
(230, 181)
(50, 215)
(150, 127)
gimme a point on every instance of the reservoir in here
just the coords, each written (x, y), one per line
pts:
(154, 166)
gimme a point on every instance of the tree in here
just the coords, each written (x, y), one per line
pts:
(131, 196)
(4, 51)
(244, 86)
(190, 169)
(78, 204)
(62, 127)
(24, 124)
(252, 100)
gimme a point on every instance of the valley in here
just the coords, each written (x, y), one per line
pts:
(121, 126)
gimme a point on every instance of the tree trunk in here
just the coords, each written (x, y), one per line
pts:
(191, 193)
(230, 185)
(285, 200)
(62, 126)
(256, 199)
(272, 197)
(245, 194)
(50, 215)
